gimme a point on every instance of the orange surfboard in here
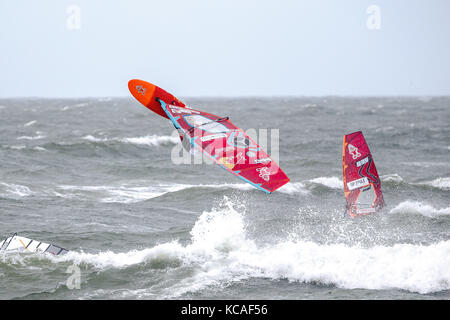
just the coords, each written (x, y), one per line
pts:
(147, 94)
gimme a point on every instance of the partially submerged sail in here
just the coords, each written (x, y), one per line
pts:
(362, 185)
(227, 145)
(18, 243)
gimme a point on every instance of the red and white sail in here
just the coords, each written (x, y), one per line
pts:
(227, 145)
(362, 185)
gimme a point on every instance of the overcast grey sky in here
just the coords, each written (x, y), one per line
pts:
(59, 48)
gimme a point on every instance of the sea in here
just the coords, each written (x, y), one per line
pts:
(97, 176)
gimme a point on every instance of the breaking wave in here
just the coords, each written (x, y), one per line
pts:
(418, 208)
(30, 123)
(31, 137)
(131, 194)
(15, 190)
(440, 183)
(391, 179)
(221, 252)
(330, 182)
(122, 194)
(293, 187)
(394, 177)
(149, 140)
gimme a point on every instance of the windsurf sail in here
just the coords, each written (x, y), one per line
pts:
(18, 243)
(147, 94)
(227, 145)
(362, 185)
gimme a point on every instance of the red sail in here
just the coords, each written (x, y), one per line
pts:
(227, 145)
(362, 185)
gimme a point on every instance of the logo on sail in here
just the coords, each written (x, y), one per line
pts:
(355, 184)
(231, 161)
(354, 151)
(264, 173)
(141, 89)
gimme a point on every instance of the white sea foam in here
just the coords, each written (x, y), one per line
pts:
(149, 140)
(330, 182)
(78, 105)
(293, 187)
(418, 208)
(18, 147)
(336, 183)
(152, 140)
(30, 137)
(30, 123)
(221, 252)
(133, 194)
(123, 194)
(137, 194)
(21, 147)
(109, 259)
(16, 189)
(94, 139)
(394, 177)
(441, 183)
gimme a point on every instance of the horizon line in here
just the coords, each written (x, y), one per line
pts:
(244, 96)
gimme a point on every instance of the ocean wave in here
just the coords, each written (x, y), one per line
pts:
(221, 252)
(293, 187)
(75, 106)
(391, 179)
(108, 259)
(23, 147)
(440, 183)
(337, 183)
(30, 137)
(425, 164)
(133, 194)
(330, 182)
(394, 177)
(152, 140)
(16, 190)
(17, 147)
(149, 140)
(120, 194)
(94, 139)
(418, 208)
(130, 194)
(30, 123)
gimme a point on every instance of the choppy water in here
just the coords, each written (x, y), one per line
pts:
(95, 176)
